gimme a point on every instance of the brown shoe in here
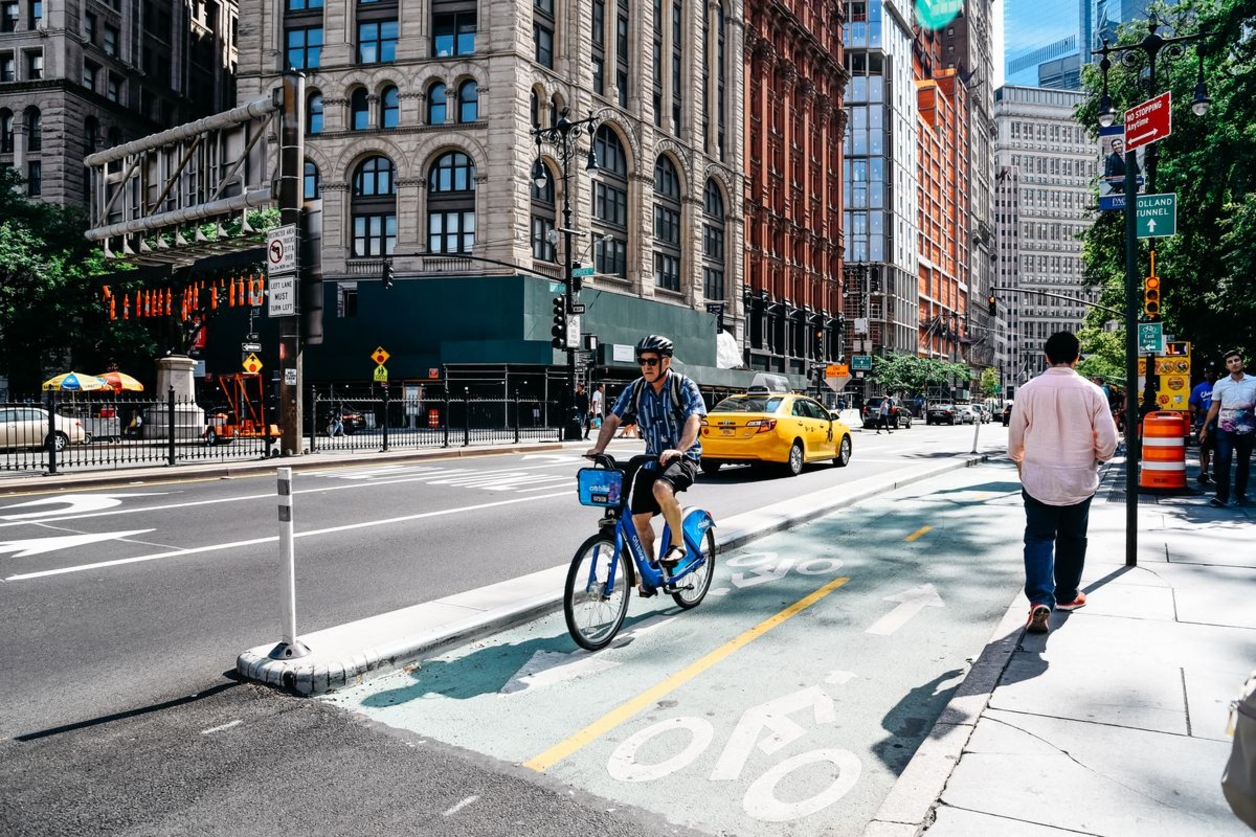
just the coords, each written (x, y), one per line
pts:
(1038, 616)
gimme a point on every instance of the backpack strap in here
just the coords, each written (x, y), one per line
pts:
(678, 409)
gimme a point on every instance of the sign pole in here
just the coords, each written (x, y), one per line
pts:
(291, 171)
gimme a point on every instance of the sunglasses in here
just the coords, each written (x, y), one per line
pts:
(648, 361)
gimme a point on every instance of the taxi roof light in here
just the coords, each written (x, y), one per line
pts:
(765, 382)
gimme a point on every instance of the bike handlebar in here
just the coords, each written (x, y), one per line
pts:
(605, 460)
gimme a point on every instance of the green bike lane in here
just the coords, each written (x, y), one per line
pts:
(788, 702)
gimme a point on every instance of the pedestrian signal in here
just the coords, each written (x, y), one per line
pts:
(1151, 297)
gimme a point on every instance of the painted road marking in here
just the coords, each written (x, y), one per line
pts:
(911, 602)
(78, 504)
(38, 546)
(179, 553)
(470, 800)
(229, 725)
(647, 698)
(916, 534)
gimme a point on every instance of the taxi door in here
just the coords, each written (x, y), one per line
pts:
(825, 446)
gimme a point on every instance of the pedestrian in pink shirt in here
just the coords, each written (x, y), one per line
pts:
(1060, 432)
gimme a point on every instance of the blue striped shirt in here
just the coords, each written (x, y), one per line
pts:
(659, 424)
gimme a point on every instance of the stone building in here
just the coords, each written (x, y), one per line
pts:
(80, 75)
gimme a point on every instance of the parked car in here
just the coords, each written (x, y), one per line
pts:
(27, 427)
(942, 414)
(762, 427)
(1007, 413)
(900, 415)
(969, 413)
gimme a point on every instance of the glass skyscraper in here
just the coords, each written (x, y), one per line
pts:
(1046, 42)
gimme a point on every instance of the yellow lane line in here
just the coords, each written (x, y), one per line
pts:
(916, 534)
(646, 699)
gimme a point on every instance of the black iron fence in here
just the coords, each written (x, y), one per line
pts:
(88, 431)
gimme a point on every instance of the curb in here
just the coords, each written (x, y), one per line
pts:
(450, 624)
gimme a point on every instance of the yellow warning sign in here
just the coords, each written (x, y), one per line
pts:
(380, 356)
(381, 374)
(252, 365)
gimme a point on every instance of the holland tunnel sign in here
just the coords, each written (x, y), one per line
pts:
(1148, 122)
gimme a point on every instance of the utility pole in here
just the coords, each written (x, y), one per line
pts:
(291, 195)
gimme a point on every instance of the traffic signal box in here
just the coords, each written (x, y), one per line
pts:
(992, 305)
(559, 331)
(1151, 298)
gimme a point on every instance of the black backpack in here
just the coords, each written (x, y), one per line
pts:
(678, 408)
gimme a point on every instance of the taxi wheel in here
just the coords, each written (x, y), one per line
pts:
(843, 453)
(711, 466)
(794, 465)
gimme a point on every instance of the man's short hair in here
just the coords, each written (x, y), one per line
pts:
(1233, 353)
(1063, 347)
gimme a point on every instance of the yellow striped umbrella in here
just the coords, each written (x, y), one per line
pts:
(74, 382)
(119, 381)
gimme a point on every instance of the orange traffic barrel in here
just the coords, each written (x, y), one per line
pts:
(433, 418)
(1164, 452)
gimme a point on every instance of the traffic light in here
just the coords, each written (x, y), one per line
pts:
(560, 324)
(818, 346)
(992, 305)
(388, 275)
(1151, 298)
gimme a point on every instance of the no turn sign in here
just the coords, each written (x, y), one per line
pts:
(281, 249)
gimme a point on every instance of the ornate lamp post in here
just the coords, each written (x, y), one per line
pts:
(1150, 48)
(564, 138)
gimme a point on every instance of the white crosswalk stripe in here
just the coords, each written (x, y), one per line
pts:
(500, 480)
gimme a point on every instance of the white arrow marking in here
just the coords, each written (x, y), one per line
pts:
(555, 457)
(38, 546)
(78, 504)
(1151, 225)
(911, 602)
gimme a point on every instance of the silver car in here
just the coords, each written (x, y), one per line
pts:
(27, 427)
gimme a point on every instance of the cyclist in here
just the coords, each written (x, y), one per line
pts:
(667, 408)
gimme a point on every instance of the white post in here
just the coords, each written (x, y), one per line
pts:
(290, 648)
(977, 429)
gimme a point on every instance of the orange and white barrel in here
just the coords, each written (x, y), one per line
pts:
(1164, 452)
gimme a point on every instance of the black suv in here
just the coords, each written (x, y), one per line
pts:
(900, 415)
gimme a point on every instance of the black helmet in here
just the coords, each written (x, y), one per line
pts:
(656, 343)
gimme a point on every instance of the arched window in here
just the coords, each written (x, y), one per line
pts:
(91, 134)
(314, 114)
(34, 130)
(535, 110)
(436, 104)
(6, 132)
(610, 203)
(313, 184)
(713, 242)
(451, 204)
(390, 108)
(666, 225)
(468, 101)
(374, 208)
(360, 110)
(544, 219)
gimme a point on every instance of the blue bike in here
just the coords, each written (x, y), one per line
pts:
(602, 579)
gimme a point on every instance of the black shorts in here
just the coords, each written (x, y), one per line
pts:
(679, 472)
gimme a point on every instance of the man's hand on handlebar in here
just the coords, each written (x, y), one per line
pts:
(668, 455)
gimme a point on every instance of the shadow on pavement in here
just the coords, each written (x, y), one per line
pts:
(909, 721)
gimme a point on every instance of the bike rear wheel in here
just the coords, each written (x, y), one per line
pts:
(593, 615)
(697, 583)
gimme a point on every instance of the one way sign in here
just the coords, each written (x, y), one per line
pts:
(1156, 215)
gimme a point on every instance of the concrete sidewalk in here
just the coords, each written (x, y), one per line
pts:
(1114, 722)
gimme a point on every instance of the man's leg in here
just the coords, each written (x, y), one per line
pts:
(1040, 527)
(670, 506)
(1243, 455)
(645, 531)
(1070, 550)
(1225, 452)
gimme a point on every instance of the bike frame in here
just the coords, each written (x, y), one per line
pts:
(626, 535)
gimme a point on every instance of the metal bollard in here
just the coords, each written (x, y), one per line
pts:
(291, 647)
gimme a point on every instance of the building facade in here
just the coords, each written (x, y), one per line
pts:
(80, 75)
(1046, 43)
(1044, 196)
(421, 143)
(795, 121)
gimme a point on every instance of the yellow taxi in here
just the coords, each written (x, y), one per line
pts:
(768, 425)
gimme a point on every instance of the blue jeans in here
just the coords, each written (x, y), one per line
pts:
(1060, 530)
(1228, 446)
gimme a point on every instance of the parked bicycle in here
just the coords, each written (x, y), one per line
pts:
(602, 578)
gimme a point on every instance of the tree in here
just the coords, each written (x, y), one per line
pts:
(901, 373)
(990, 384)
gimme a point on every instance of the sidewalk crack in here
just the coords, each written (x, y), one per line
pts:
(1021, 820)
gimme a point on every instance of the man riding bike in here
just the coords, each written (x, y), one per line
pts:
(667, 408)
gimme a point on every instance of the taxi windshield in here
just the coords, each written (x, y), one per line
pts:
(749, 404)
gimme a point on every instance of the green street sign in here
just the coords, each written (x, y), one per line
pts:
(1150, 338)
(861, 363)
(583, 271)
(1156, 215)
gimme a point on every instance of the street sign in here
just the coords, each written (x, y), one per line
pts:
(577, 308)
(1149, 122)
(380, 356)
(281, 250)
(281, 296)
(861, 363)
(252, 365)
(1150, 338)
(573, 331)
(1156, 215)
(250, 347)
(290, 377)
(837, 375)
(583, 271)
(381, 374)
(433, 373)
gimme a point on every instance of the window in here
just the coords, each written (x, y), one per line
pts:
(621, 52)
(89, 28)
(37, 13)
(8, 67)
(305, 48)
(91, 134)
(304, 5)
(6, 132)
(34, 65)
(598, 33)
(359, 110)
(610, 203)
(34, 130)
(9, 13)
(453, 29)
(91, 73)
(313, 184)
(544, 220)
(377, 42)
(390, 108)
(111, 40)
(451, 204)
(666, 225)
(34, 178)
(713, 242)
(314, 114)
(543, 32)
(468, 101)
(374, 208)
(113, 91)
(436, 104)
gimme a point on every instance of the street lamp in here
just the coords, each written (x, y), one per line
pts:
(564, 137)
(1150, 46)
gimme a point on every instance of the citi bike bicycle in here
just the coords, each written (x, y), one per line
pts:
(602, 579)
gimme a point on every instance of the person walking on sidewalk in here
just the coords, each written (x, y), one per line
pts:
(596, 404)
(1200, 403)
(1060, 432)
(1234, 410)
(883, 415)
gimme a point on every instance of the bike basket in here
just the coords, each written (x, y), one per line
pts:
(600, 487)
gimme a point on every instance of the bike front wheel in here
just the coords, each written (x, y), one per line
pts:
(694, 587)
(595, 613)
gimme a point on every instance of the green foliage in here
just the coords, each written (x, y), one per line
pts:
(1103, 354)
(51, 315)
(1209, 297)
(900, 373)
(990, 385)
